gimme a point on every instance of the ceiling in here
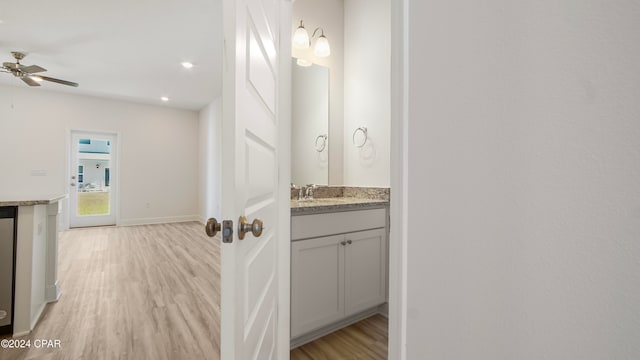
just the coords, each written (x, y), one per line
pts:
(119, 49)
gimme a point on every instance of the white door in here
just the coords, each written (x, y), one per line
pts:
(256, 107)
(92, 179)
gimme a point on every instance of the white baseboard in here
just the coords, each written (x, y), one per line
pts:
(20, 334)
(158, 220)
(38, 314)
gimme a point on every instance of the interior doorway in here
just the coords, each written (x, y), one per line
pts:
(93, 179)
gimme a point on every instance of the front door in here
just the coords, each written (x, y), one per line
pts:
(92, 180)
(255, 279)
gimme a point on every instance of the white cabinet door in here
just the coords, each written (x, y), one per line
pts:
(365, 270)
(317, 283)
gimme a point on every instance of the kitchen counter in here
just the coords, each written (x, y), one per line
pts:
(304, 207)
(36, 257)
(12, 200)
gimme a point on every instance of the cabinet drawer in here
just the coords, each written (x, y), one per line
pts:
(308, 226)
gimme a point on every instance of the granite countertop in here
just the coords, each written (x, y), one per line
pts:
(12, 200)
(301, 207)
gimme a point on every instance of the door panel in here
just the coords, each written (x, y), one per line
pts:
(260, 74)
(251, 281)
(260, 170)
(259, 280)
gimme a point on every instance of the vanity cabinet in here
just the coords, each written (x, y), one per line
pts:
(338, 267)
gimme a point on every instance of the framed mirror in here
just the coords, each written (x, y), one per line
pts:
(309, 125)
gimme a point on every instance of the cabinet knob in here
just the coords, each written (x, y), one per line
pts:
(349, 242)
(343, 243)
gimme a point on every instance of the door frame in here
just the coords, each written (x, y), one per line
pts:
(399, 185)
(115, 176)
(284, 191)
(399, 180)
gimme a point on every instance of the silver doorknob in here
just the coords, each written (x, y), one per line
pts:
(244, 227)
(212, 227)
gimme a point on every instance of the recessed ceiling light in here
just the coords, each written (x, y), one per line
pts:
(187, 65)
(164, 98)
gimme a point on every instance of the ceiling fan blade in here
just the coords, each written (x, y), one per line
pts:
(29, 81)
(12, 66)
(32, 69)
(63, 82)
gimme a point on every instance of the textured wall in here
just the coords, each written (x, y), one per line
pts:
(524, 180)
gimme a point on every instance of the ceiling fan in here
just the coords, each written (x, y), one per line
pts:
(28, 73)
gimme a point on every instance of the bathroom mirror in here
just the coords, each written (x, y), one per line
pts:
(309, 124)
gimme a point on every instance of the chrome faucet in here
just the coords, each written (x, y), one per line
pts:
(309, 191)
(300, 190)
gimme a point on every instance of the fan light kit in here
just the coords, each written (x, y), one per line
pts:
(27, 73)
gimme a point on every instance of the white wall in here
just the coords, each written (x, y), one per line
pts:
(210, 125)
(327, 14)
(523, 180)
(367, 73)
(158, 150)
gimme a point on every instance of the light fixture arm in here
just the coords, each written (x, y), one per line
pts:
(315, 32)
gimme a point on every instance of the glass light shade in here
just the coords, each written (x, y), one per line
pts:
(322, 48)
(304, 62)
(301, 38)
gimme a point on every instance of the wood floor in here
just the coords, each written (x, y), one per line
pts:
(140, 292)
(366, 339)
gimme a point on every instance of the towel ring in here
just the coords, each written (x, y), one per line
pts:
(322, 145)
(364, 132)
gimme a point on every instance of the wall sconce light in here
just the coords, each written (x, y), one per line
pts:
(301, 40)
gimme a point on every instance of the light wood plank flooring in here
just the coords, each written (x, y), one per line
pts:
(366, 339)
(140, 292)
